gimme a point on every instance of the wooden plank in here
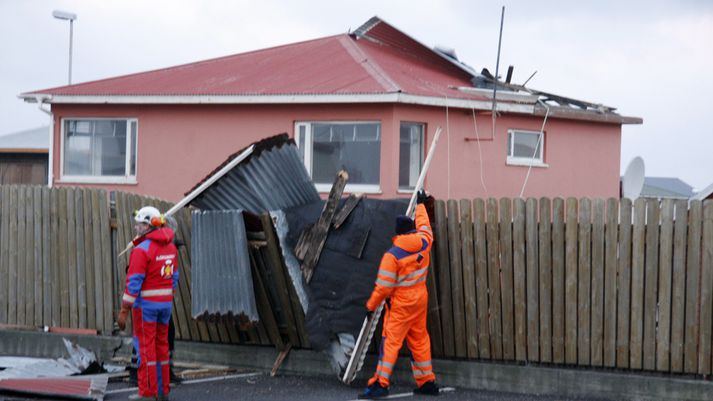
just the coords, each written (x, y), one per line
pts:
(678, 296)
(72, 260)
(469, 295)
(545, 253)
(650, 282)
(519, 279)
(444, 279)
(38, 279)
(507, 278)
(610, 266)
(4, 251)
(533, 288)
(91, 279)
(54, 257)
(693, 271)
(102, 295)
(321, 229)
(704, 337)
(558, 281)
(198, 329)
(21, 255)
(12, 256)
(663, 330)
(481, 279)
(623, 296)
(584, 278)
(63, 258)
(265, 310)
(81, 264)
(456, 278)
(107, 273)
(637, 285)
(571, 267)
(495, 310)
(282, 282)
(597, 305)
(29, 248)
(47, 282)
(349, 205)
(182, 317)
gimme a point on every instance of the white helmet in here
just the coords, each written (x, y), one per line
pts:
(146, 214)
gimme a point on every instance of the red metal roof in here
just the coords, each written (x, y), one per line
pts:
(379, 59)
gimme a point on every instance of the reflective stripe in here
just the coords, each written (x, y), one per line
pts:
(417, 372)
(128, 298)
(150, 293)
(386, 364)
(421, 364)
(150, 363)
(413, 274)
(385, 283)
(383, 374)
(387, 273)
(426, 229)
(410, 283)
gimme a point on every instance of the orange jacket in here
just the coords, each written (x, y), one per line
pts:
(404, 267)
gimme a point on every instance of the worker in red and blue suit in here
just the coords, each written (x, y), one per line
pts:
(150, 283)
(401, 282)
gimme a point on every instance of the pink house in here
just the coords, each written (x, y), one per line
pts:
(368, 101)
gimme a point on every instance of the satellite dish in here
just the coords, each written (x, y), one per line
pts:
(633, 181)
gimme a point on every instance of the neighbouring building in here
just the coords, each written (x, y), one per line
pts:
(666, 188)
(369, 101)
(23, 157)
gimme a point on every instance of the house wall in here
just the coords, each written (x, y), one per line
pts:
(179, 144)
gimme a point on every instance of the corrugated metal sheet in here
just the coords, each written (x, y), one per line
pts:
(273, 178)
(76, 388)
(221, 276)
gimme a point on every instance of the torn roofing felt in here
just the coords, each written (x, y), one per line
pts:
(272, 178)
(220, 273)
(345, 273)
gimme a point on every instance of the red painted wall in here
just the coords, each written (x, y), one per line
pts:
(179, 144)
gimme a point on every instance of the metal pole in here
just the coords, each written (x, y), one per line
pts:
(71, 31)
(497, 68)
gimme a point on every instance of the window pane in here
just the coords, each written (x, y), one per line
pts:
(134, 147)
(525, 145)
(95, 147)
(301, 134)
(410, 154)
(352, 147)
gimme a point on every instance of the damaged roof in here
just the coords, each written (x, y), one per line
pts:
(377, 63)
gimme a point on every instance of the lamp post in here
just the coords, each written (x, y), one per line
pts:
(63, 15)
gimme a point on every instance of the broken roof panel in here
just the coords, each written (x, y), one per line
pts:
(221, 276)
(272, 178)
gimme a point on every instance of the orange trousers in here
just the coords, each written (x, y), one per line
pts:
(409, 323)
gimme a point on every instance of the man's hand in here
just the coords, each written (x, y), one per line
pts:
(123, 315)
(421, 197)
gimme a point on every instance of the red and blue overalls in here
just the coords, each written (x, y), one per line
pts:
(402, 279)
(150, 283)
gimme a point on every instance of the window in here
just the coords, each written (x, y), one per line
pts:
(526, 147)
(99, 150)
(410, 154)
(327, 147)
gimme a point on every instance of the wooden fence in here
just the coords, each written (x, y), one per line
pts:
(55, 257)
(574, 282)
(564, 282)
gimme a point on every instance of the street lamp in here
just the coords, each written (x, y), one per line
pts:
(63, 15)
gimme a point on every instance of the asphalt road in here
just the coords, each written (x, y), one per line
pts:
(259, 386)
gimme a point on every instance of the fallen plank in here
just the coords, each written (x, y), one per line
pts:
(280, 359)
(321, 229)
(346, 210)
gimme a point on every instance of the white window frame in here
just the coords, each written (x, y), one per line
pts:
(127, 178)
(325, 188)
(526, 161)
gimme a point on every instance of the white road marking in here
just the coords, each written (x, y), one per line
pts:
(410, 394)
(194, 381)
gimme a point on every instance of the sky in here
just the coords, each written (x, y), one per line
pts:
(649, 59)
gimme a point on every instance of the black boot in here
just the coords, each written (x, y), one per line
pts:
(428, 388)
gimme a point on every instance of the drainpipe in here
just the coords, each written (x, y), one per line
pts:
(40, 102)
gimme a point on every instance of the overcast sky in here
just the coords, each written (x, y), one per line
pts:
(650, 59)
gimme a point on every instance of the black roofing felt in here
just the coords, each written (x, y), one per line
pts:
(344, 276)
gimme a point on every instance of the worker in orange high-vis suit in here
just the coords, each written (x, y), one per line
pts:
(150, 283)
(401, 281)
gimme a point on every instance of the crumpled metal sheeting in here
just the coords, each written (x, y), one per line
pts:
(273, 180)
(78, 361)
(288, 255)
(220, 274)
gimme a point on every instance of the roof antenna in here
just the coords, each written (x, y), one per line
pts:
(497, 67)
